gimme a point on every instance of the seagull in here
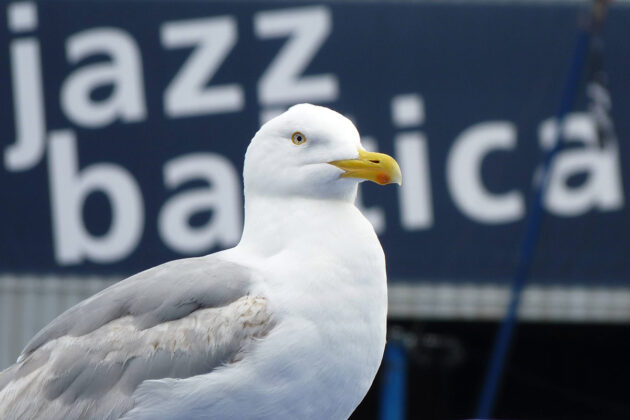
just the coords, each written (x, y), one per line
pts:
(288, 324)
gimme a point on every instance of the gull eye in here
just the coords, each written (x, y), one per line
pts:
(298, 138)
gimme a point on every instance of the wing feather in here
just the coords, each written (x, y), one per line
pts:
(178, 320)
(163, 293)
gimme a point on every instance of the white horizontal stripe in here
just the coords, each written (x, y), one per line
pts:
(474, 302)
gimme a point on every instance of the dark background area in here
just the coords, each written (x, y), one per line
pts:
(556, 371)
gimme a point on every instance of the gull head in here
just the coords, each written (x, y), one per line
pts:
(313, 151)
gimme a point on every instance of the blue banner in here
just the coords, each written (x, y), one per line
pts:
(125, 124)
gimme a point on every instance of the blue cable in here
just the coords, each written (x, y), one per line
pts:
(526, 255)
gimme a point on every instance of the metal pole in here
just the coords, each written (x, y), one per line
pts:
(394, 386)
(504, 335)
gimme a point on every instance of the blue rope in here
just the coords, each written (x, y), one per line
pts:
(528, 247)
(394, 386)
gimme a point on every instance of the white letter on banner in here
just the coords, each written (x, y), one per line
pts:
(69, 188)
(307, 29)
(222, 197)
(123, 72)
(415, 193)
(602, 188)
(28, 94)
(187, 94)
(464, 174)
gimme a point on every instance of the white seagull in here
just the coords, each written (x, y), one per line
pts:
(289, 324)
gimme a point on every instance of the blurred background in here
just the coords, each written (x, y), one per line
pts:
(124, 126)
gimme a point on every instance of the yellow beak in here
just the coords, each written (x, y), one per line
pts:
(375, 167)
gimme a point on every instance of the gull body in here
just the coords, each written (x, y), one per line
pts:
(288, 324)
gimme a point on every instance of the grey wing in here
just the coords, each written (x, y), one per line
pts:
(177, 320)
(163, 293)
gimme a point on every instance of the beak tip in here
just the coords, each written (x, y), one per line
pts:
(397, 178)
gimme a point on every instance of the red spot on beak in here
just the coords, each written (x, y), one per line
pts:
(383, 178)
